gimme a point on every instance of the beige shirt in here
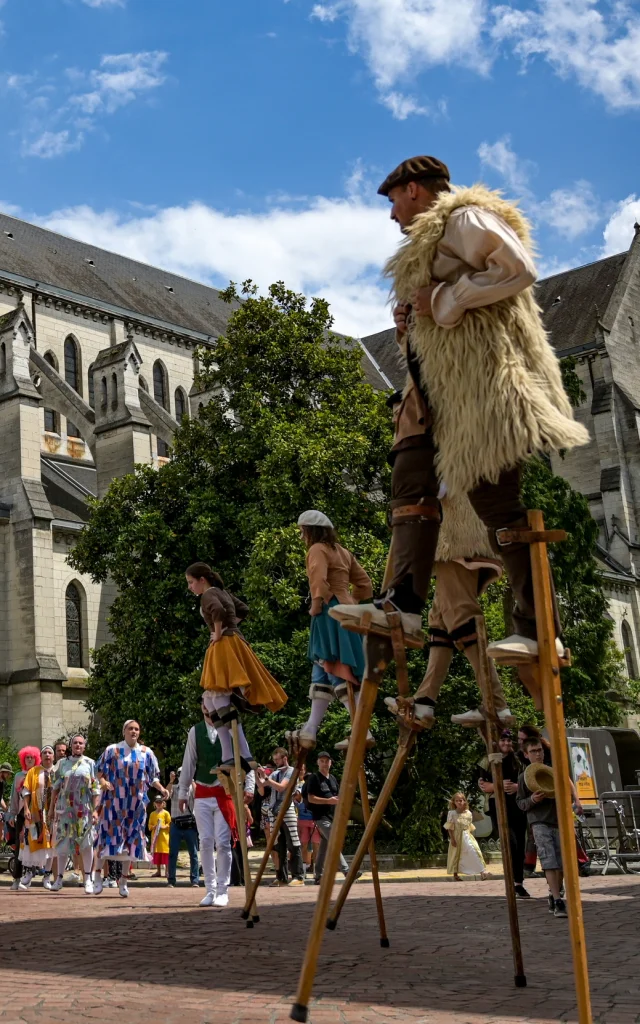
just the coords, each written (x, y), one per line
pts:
(332, 570)
(479, 260)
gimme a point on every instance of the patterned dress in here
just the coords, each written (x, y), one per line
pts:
(75, 782)
(131, 771)
(35, 851)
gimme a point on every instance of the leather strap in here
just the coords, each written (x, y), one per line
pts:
(430, 511)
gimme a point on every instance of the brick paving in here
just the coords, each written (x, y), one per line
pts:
(158, 958)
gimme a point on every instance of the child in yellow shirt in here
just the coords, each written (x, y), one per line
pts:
(159, 824)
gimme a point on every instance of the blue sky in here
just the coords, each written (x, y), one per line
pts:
(231, 140)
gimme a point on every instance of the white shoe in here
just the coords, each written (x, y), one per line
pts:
(519, 646)
(88, 887)
(46, 882)
(15, 885)
(423, 712)
(123, 888)
(208, 900)
(25, 882)
(477, 718)
(57, 885)
(110, 883)
(75, 877)
(98, 885)
(344, 744)
(350, 615)
(222, 900)
(303, 737)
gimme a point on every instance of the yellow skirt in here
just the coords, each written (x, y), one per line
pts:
(230, 664)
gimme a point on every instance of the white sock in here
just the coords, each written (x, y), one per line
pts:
(244, 746)
(224, 735)
(319, 706)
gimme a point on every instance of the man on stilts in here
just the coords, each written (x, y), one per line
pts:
(484, 389)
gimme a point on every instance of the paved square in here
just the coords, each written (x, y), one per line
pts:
(158, 958)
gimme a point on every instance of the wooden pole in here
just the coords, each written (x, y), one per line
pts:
(284, 807)
(408, 738)
(355, 756)
(549, 677)
(366, 814)
(242, 821)
(495, 760)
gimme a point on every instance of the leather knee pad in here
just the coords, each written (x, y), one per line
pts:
(321, 691)
(341, 691)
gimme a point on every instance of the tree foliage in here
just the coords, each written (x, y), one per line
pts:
(292, 424)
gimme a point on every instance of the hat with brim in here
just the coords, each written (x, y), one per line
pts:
(538, 778)
(323, 753)
(6, 767)
(159, 800)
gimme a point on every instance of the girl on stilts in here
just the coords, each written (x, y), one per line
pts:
(336, 653)
(232, 674)
(464, 853)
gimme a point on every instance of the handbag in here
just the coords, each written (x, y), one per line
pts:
(184, 822)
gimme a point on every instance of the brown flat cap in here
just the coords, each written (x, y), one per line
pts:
(414, 168)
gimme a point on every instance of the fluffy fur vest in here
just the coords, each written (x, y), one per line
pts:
(462, 534)
(493, 382)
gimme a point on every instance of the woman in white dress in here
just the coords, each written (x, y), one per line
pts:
(464, 853)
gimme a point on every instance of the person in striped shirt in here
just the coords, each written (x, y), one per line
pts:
(288, 840)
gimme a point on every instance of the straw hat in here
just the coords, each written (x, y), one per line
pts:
(539, 779)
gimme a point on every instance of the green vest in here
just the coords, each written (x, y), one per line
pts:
(209, 756)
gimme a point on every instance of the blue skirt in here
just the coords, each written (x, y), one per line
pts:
(328, 641)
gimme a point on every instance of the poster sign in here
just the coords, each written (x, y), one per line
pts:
(582, 769)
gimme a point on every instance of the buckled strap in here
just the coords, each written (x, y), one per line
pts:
(428, 510)
(439, 638)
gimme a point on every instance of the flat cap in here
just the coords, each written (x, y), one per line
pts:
(314, 518)
(414, 168)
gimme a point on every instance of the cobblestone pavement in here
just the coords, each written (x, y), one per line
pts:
(158, 958)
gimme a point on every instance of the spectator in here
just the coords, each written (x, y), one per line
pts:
(60, 750)
(464, 853)
(307, 831)
(288, 839)
(6, 772)
(160, 826)
(516, 819)
(542, 815)
(321, 794)
(183, 829)
(526, 732)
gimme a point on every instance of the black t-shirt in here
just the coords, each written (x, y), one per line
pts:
(323, 786)
(511, 770)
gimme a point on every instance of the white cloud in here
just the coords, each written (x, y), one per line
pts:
(402, 106)
(598, 43)
(104, 3)
(331, 247)
(500, 157)
(618, 232)
(52, 144)
(325, 12)
(571, 212)
(120, 79)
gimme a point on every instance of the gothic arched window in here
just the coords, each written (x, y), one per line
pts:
(51, 422)
(627, 641)
(181, 404)
(92, 393)
(160, 384)
(73, 607)
(72, 376)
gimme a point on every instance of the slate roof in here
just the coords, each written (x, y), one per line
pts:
(86, 270)
(67, 485)
(583, 295)
(384, 350)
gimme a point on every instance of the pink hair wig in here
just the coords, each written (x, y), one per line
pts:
(29, 752)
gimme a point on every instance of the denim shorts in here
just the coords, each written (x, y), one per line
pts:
(547, 838)
(320, 677)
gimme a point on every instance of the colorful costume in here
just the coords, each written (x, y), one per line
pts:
(159, 826)
(37, 841)
(76, 785)
(131, 771)
(465, 857)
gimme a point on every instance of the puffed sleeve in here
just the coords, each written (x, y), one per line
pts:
(450, 823)
(500, 266)
(317, 571)
(361, 585)
(212, 607)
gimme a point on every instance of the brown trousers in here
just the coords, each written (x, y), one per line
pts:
(455, 604)
(497, 505)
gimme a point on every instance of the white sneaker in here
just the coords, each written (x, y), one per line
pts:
(350, 615)
(208, 900)
(88, 887)
(123, 889)
(15, 885)
(25, 882)
(305, 738)
(344, 744)
(222, 900)
(98, 885)
(57, 885)
(423, 712)
(477, 718)
(110, 883)
(46, 882)
(75, 877)
(519, 647)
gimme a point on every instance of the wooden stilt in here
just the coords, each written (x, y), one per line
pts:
(549, 677)
(491, 734)
(287, 797)
(366, 814)
(355, 755)
(405, 746)
(242, 821)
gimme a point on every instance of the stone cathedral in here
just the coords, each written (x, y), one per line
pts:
(96, 372)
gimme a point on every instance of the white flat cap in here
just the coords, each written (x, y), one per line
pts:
(314, 518)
